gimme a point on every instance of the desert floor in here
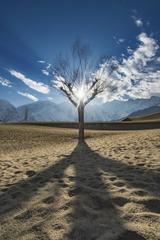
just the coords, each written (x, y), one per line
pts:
(52, 188)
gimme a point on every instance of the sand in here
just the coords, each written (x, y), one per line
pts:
(52, 188)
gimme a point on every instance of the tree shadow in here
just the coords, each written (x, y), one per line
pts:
(94, 214)
(91, 210)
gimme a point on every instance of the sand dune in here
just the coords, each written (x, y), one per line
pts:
(53, 188)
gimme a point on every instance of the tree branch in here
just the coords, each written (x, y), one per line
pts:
(68, 96)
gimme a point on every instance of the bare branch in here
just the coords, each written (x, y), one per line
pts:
(74, 74)
(69, 96)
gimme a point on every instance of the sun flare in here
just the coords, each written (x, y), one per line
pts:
(81, 93)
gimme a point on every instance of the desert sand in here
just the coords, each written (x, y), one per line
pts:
(52, 188)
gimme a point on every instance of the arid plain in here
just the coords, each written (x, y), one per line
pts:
(52, 188)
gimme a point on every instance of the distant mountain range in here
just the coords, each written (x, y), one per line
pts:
(146, 112)
(50, 111)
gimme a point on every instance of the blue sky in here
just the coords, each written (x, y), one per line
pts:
(36, 30)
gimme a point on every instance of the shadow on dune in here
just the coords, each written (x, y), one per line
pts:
(94, 211)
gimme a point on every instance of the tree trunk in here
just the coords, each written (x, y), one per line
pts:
(81, 122)
(26, 115)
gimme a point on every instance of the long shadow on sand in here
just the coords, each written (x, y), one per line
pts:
(91, 210)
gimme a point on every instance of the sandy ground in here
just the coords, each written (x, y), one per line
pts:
(51, 188)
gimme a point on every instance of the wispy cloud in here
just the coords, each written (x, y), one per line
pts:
(120, 40)
(37, 86)
(41, 61)
(28, 95)
(5, 82)
(138, 21)
(45, 72)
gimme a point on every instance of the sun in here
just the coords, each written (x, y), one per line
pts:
(80, 93)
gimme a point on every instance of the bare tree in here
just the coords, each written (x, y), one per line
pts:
(80, 79)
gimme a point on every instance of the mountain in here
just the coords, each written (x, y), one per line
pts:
(120, 109)
(45, 111)
(50, 111)
(8, 112)
(150, 112)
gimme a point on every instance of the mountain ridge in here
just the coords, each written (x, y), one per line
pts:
(50, 111)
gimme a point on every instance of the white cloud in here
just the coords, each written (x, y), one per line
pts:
(158, 59)
(28, 95)
(45, 72)
(4, 82)
(148, 86)
(145, 52)
(120, 40)
(138, 21)
(38, 86)
(48, 66)
(136, 76)
(41, 61)
(129, 50)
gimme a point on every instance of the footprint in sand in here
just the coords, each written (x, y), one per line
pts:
(66, 206)
(74, 192)
(141, 164)
(7, 166)
(130, 235)
(120, 201)
(57, 226)
(30, 173)
(119, 184)
(152, 205)
(42, 212)
(48, 200)
(24, 216)
(37, 212)
(140, 193)
(44, 165)
(61, 181)
(112, 178)
(26, 163)
(17, 172)
(64, 185)
(71, 178)
(122, 190)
